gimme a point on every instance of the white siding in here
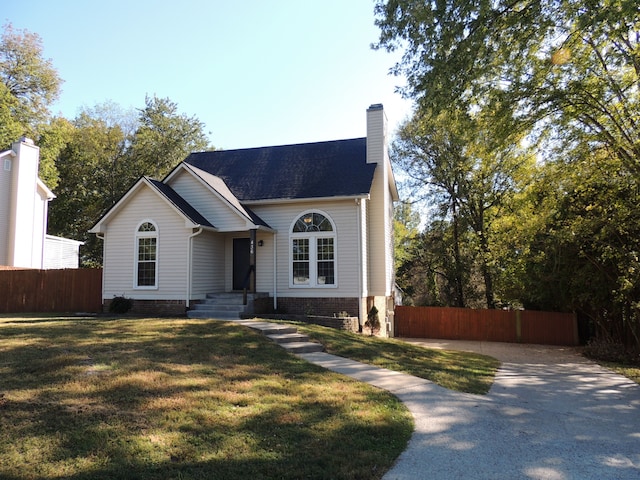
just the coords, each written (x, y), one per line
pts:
(61, 252)
(120, 249)
(377, 234)
(265, 262)
(208, 265)
(217, 211)
(6, 165)
(364, 247)
(280, 217)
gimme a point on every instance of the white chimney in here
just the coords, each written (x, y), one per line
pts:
(376, 134)
(23, 241)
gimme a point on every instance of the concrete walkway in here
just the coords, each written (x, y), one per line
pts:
(550, 414)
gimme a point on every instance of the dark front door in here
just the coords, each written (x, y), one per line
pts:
(241, 262)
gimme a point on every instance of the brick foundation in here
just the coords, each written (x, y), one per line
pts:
(161, 308)
(327, 307)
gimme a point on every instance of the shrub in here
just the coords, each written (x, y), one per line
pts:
(120, 305)
(373, 321)
(610, 351)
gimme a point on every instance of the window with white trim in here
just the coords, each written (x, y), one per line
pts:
(313, 251)
(146, 256)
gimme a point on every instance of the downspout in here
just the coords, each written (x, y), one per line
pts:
(275, 274)
(360, 260)
(189, 256)
(103, 249)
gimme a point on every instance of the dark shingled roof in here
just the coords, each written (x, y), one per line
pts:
(180, 203)
(309, 170)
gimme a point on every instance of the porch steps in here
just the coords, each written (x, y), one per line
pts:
(223, 306)
(286, 336)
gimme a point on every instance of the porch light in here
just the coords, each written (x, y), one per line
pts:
(260, 243)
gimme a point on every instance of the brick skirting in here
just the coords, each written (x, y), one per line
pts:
(326, 306)
(161, 308)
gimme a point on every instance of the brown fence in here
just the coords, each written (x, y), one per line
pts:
(525, 326)
(69, 290)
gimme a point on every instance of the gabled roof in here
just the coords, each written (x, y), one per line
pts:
(168, 194)
(311, 170)
(180, 203)
(217, 185)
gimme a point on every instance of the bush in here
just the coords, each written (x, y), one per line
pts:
(609, 351)
(373, 321)
(120, 305)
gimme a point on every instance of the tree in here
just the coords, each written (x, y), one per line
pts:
(53, 137)
(29, 84)
(543, 64)
(164, 137)
(565, 75)
(406, 222)
(103, 153)
(450, 159)
(90, 182)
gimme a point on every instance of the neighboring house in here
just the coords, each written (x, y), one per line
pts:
(307, 228)
(24, 201)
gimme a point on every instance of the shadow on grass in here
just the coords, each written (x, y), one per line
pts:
(167, 398)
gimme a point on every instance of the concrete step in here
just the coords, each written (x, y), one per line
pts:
(217, 314)
(302, 347)
(267, 328)
(289, 337)
(218, 306)
(286, 336)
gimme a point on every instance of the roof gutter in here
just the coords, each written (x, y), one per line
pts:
(268, 201)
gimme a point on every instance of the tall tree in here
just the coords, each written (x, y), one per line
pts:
(89, 182)
(106, 152)
(548, 63)
(450, 158)
(30, 84)
(164, 137)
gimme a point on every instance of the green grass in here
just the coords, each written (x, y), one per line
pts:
(460, 371)
(632, 372)
(182, 399)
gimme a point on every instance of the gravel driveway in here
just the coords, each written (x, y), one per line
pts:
(551, 414)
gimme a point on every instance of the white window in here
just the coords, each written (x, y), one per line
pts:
(146, 274)
(313, 251)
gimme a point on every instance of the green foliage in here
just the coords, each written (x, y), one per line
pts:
(29, 82)
(120, 305)
(532, 63)
(106, 152)
(373, 320)
(164, 137)
(559, 233)
(53, 137)
(10, 128)
(450, 160)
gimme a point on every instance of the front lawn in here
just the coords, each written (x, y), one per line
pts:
(188, 399)
(460, 371)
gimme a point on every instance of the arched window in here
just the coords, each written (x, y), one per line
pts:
(313, 251)
(146, 256)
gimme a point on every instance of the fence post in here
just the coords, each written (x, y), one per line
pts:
(518, 326)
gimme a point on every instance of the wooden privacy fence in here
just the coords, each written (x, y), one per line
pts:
(68, 290)
(523, 326)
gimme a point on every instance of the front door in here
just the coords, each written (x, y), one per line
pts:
(241, 263)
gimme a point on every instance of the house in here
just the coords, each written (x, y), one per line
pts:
(304, 228)
(24, 201)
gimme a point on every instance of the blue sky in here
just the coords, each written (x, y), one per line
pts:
(255, 72)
